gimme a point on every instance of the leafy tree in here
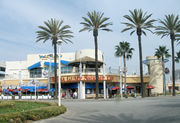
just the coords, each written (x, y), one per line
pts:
(162, 53)
(139, 22)
(124, 50)
(54, 30)
(170, 26)
(95, 22)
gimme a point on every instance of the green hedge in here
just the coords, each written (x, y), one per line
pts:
(33, 114)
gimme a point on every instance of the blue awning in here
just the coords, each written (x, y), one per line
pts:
(38, 64)
(32, 88)
(64, 62)
(52, 63)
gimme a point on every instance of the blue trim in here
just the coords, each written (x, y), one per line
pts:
(145, 61)
(52, 63)
(36, 65)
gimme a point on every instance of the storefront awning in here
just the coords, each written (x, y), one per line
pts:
(38, 64)
(52, 63)
(150, 87)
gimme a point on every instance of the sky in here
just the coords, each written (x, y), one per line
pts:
(19, 21)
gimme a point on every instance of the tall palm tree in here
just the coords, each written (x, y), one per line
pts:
(124, 50)
(170, 26)
(162, 53)
(95, 22)
(177, 58)
(139, 22)
(54, 30)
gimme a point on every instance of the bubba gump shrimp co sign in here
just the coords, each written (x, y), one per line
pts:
(86, 78)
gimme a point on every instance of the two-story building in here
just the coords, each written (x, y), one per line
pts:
(77, 74)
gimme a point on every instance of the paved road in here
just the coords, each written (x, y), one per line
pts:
(147, 110)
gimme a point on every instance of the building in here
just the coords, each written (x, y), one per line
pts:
(77, 74)
(2, 70)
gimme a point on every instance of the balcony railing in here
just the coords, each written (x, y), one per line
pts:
(77, 70)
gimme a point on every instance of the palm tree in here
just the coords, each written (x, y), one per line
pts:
(54, 30)
(95, 22)
(170, 26)
(177, 58)
(162, 53)
(124, 50)
(139, 22)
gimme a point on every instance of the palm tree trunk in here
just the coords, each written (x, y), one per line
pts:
(125, 88)
(164, 89)
(55, 67)
(95, 33)
(141, 66)
(173, 65)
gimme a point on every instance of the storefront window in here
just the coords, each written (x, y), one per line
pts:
(36, 73)
(66, 69)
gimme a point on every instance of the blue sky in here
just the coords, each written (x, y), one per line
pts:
(19, 20)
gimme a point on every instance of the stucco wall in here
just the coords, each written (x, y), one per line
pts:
(156, 74)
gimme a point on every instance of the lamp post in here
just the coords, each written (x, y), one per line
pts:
(104, 83)
(120, 77)
(80, 84)
(49, 71)
(59, 78)
(20, 78)
(34, 82)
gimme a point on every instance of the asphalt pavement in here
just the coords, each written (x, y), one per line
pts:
(162, 109)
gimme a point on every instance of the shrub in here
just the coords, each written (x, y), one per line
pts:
(9, 104)
(132, 95)
(33, 114)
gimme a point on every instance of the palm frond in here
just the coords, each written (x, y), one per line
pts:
(124, 49)
(54, 30)
(169, 25)
(162, 51)
(138, 21)
(126, 29)
(95, 21)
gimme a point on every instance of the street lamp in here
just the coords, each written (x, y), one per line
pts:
(104, 83)
(59, 78)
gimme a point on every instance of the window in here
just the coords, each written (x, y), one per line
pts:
(66, 69)
(2, 69)
(36, 73)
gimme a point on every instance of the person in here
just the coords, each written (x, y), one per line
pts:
(135, 94)
(52, 94)
(75, 95)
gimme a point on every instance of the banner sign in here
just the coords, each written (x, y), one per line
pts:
(86, 78)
